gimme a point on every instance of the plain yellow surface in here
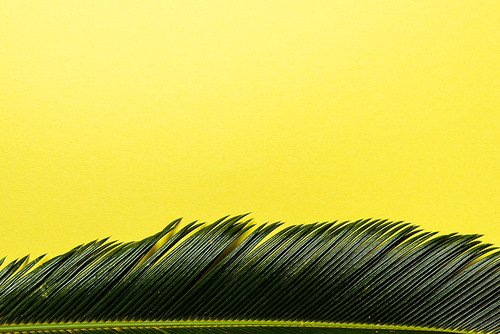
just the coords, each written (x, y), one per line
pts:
(117, 117)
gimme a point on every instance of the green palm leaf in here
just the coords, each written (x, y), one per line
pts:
(367, 276)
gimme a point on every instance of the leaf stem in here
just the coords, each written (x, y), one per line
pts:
(97, 325)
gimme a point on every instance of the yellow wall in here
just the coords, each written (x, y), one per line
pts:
(119, 116)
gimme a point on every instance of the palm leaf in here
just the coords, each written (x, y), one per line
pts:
(365, 276)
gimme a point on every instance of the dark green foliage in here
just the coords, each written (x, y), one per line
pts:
(235, 330)
(365, 272)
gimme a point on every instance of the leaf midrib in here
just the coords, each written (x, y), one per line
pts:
(166, 324)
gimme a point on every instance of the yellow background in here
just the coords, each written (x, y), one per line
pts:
(118, 117)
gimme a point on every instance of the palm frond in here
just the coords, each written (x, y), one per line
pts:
(364, 276)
